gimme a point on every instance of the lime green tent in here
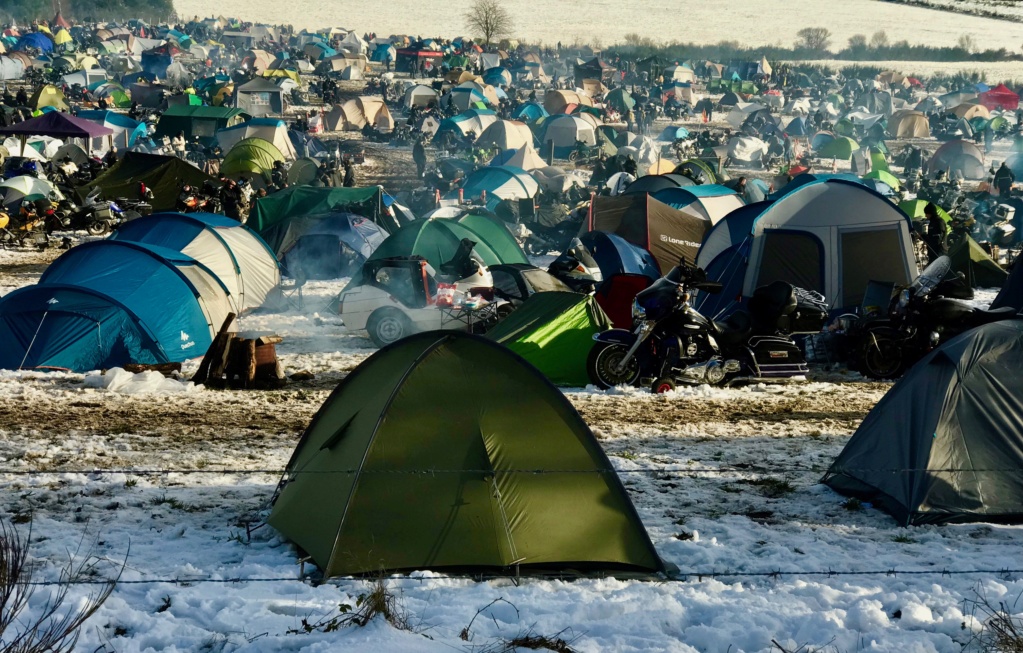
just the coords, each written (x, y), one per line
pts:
(494, 235)
(251, 155)
(981, 271)
(300, 201)
(447, 451)
(437, 240)
(878, 161)
(886, 177)
(840, 148)
(915, 210)
(554, 332)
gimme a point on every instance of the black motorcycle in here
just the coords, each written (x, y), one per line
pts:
(96, 216)
(921, 317)
(672, 343)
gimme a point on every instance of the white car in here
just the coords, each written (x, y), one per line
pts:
(395, 298)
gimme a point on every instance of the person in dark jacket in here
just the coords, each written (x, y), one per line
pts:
(937, 232)
(1004, 180)
(419, 156)
(349, 175)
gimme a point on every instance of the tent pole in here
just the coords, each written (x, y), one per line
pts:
(33, 341)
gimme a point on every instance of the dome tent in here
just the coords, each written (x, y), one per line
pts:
(437, 240)
(98, 308)
(480, 514)
(232, 251)
(943, 446)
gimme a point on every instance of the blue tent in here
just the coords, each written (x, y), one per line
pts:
(497, 76)
(529, 112)
(74, 328)
(136, 130)
(673, 133)
(615, 255)
(34, 40)
(107, 303)
(797, 127)
(499, 182)
(384, 52)
(807, 177)
(722, 255)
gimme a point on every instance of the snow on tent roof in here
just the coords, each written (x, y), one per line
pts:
(383, 418)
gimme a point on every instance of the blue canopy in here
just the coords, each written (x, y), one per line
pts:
(74, 328)
(34, 40)
(147, 282)
(529, 112)
(615, 255)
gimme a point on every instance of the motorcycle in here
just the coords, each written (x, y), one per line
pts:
(672, 343)
(96, 216)
(577, 268)
(920, 318)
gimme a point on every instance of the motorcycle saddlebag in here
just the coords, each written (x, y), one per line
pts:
(776, 357)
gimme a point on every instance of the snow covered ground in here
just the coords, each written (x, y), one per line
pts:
(724, 480)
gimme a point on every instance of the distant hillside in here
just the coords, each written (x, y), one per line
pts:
(85, 10)
(1010, 10)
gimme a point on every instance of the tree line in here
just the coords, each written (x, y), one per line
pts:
(23, 11)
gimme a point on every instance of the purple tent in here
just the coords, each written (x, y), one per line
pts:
(57, 125)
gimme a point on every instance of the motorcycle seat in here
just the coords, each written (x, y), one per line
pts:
(995, 314)
(734, 329)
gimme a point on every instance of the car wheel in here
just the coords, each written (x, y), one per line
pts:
(388, 325)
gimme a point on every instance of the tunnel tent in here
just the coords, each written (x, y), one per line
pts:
(164, 175)
(943, 446)
(709, 201)
(95, 310)
(383, 422)
(553, 331)
(233, 252)
(121, 267)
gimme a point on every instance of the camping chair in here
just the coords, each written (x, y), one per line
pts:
(877, 297)
(616, 294)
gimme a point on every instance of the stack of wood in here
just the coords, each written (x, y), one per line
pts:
(241, 361)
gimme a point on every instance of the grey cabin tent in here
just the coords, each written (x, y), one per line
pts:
(945, 444)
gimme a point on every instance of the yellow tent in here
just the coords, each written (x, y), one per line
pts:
(88, 62)
(43, 28)
(62, 37)
(281, 72)
(223, 95)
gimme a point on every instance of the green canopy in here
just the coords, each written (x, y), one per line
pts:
(981, 271)
(164, 175)
(915, 210)
(251, 155)
(554, 332)
(495, 235)
(619, 100)
(886, 177)
(447, 451)
(298, 201)
(839, 148)
(197, 121)
(437, 240)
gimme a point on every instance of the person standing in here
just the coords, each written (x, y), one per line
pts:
(1004, 179)
(937, 232)
(349, 181)
(419, 156)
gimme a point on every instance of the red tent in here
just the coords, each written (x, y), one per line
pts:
(58, 21)
(1000, 97)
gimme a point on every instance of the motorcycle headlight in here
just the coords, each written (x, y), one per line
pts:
(638, 312)
(904, 299)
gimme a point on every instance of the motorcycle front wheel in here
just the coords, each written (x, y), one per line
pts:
(882, 358)
(97, 228)
(602, 366)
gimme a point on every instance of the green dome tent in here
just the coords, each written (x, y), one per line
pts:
(428, 476)
(619, 100)
(494, 235)
(437, 239)
(943, 446)
(884, 177)
(915, 210)
(554, 332)
(251, 155)
(840, 148)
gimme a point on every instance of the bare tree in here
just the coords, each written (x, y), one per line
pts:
(489, 19)
(858, 43)
(815, 39)
(879, 40)
(51, 625)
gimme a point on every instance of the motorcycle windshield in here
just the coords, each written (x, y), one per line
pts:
(659, 298)
(931, 277)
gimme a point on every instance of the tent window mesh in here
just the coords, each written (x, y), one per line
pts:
(870, 256)
(791, 257)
